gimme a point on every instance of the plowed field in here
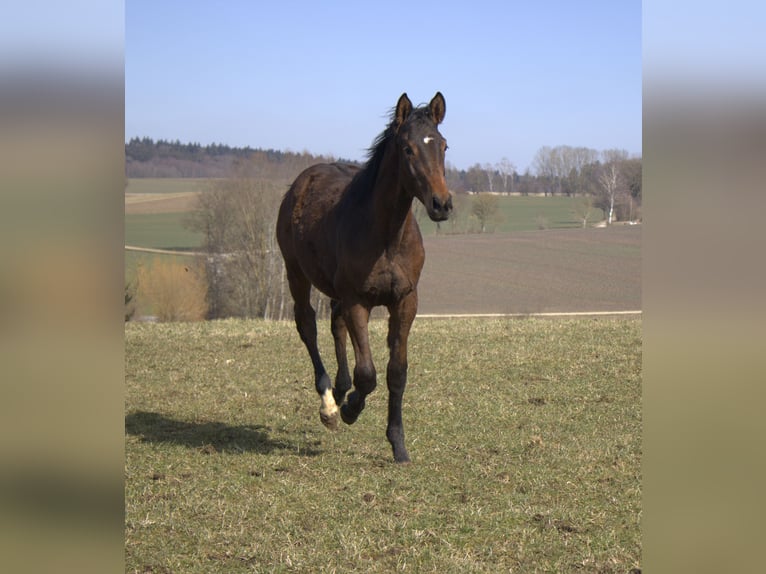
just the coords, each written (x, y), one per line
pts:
(533, 272)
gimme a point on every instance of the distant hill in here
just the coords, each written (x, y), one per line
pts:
(146, 157)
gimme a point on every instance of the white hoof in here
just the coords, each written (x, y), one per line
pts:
(328, 412)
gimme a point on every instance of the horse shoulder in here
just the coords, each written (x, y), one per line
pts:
(411, 254)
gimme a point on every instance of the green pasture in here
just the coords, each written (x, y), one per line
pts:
(160, 231)
(516, 213)
(525, 437)
(166, 231)
(165, 185)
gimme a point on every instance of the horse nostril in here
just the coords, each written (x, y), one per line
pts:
(440, 207)
(439, 210)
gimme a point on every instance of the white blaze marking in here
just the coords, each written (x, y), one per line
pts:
(428, 139)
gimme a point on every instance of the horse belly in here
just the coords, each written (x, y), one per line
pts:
(318, 263)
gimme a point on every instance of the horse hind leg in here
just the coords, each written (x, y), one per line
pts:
(339, 334)
(305, 322)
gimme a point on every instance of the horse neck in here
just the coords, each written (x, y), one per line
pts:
(391, 205)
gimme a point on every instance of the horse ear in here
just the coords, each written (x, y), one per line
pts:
(403, 109)
(438, 108)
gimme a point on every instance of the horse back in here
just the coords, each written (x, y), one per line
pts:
(306, 223)
(314, 194)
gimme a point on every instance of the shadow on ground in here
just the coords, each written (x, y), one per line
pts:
(210, 436)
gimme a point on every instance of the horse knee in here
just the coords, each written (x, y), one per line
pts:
(365, 378)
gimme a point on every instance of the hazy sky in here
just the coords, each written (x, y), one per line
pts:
(322, 76)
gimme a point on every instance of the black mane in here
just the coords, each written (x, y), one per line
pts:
(365, 178)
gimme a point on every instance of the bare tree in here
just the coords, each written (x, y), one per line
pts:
(573, 162)
(489, 170)
(236, 217)
(544, 164)
(561, 167)
(631, 173)
(609, 178)
(506, 168)
(475, 178)
(614, 155)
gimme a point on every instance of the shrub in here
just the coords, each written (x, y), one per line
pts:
(174, 291)
(542, 222)
(485, 208)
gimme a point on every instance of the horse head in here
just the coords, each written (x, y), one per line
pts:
(420, 148)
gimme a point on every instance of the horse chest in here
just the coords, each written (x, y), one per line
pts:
(389, 280)
(383, 269)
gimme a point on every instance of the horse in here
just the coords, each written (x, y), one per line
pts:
(350, 231)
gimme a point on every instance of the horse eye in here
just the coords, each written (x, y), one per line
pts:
(408, 150)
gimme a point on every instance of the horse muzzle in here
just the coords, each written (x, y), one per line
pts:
(438, 209)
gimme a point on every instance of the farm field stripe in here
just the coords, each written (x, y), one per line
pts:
(520, 315)
(166, 251)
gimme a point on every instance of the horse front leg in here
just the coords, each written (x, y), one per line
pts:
(365, 378)
(400, 320)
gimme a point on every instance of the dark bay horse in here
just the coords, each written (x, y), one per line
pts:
(351, 233)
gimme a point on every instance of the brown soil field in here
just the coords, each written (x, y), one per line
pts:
(569, 270)
(160, 202)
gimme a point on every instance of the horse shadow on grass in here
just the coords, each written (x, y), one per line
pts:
(212, 437)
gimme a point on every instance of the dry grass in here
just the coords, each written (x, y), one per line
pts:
(525, 436)
(173, 290)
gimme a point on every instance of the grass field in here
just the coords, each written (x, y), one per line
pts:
(516, 213)
(161, 231)
(525, 436)
(155, 209)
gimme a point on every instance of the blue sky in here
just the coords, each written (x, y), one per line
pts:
(322, 76)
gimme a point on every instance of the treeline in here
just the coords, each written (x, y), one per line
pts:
(560, 170)
(610, 180)
(145, 157)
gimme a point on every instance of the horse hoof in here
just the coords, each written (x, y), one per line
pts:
(330, 420)
(348, 417)
(402, 459)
